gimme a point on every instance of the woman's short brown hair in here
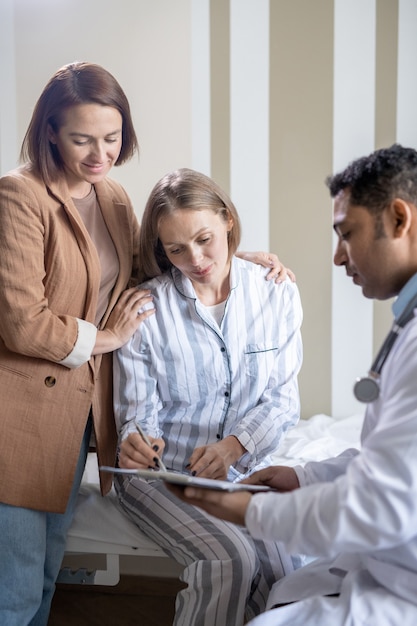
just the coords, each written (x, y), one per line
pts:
(73, 84)
(182, 189)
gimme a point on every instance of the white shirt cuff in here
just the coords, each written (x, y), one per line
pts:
(81, 352)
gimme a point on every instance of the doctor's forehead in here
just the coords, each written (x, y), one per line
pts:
(341, 206)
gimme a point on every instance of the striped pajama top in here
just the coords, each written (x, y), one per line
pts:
(193, 382)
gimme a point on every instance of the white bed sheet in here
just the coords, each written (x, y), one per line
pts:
(320, 437)
(100, 527)
(100, 520)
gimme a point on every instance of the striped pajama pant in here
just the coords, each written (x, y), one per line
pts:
(228, 574)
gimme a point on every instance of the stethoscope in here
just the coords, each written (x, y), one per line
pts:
(366, 389)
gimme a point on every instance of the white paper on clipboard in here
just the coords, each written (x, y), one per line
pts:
(185, 480)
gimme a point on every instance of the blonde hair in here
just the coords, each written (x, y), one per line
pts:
(182, 189)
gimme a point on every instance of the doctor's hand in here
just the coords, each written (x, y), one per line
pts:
(224, 505)
(214, 460)
(135, 453)
(278, 477)
(278, 271)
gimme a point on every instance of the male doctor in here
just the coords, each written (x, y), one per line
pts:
(357, 513)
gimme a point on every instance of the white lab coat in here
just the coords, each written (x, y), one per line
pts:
(357, 514)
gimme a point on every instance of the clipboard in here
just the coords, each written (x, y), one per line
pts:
(185, 480)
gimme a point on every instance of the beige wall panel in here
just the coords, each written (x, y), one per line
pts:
(386, 72)
(385, 117)
(300, 159)
(220, 91)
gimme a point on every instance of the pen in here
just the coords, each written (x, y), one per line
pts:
(146, 440)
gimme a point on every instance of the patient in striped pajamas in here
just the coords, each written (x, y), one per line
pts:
(212, 380)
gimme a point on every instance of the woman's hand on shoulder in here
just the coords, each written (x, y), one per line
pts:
(130, 310)
(278, 271)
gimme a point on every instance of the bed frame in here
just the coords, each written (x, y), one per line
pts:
(101, 528)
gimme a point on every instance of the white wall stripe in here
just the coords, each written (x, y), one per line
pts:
(200, 86)
(407, 85)
(8, 104)
(354, 123)
(250, 119)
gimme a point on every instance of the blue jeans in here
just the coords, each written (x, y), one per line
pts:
(32, 545)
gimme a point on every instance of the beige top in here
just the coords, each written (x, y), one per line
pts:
(92, 217)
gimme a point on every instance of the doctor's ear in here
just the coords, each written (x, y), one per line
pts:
(401, 215)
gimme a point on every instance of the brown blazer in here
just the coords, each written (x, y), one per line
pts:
(50, 275)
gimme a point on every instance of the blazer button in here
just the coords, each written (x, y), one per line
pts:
(50, 381)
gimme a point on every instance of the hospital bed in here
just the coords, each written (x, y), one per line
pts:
(101, 533)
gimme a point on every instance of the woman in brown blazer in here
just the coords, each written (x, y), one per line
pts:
(68, 238)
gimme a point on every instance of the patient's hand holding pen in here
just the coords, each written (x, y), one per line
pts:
(146, 440)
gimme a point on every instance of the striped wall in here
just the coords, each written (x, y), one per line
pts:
(268, 97)
(333, 93)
